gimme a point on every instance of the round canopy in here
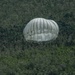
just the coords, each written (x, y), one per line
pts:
(40, 29)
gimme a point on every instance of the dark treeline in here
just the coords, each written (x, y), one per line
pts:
(14, 34)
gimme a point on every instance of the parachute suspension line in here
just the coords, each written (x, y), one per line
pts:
(32, 30)
(36, 28)
(50, 26)
(40, 29)
(51, 30)
(43, 28)
(47, 28)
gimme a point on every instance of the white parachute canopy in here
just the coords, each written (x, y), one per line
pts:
(40, 29)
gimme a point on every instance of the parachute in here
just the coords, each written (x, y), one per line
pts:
(40, 29)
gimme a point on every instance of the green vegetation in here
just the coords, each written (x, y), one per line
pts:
(18, 57)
